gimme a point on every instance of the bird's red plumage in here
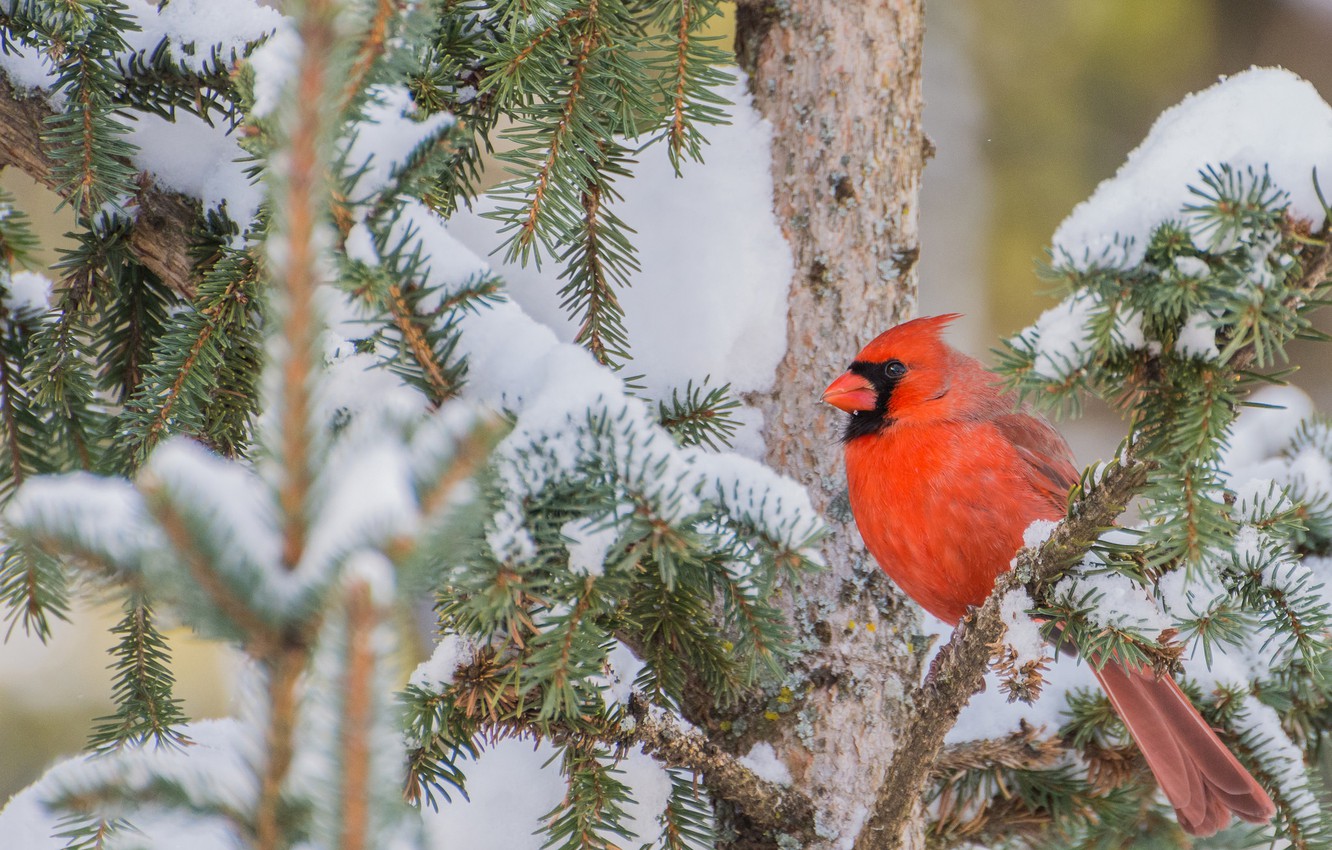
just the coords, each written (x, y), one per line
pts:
(945, 472)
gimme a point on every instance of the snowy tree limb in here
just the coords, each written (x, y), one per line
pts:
(163, 222)
(964, 817)
(768, 806)
(958, 670)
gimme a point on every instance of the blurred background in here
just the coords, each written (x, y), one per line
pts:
(1030, 104)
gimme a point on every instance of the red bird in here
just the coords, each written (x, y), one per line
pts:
(946, 471)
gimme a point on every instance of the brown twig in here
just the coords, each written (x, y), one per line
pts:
(541, 37)
(372, 47)
(407, 322)
(988, 815)
(357, 717)
(528, 227)
(305, 196)
(681, 76)
(1022, 749)
(279, 743)
(601, 294)
(768, 806)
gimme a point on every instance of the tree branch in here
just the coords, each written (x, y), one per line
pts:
(1022, 749)
(486, 692)
(768, 806)
(958, 670)
(165, 220)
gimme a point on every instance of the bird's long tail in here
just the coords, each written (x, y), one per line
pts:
(1200, 777)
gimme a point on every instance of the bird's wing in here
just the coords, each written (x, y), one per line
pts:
(1048, 459)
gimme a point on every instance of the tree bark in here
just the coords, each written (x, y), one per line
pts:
(841, 84)
(163, 221)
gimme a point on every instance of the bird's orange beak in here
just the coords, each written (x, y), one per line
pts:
(851, 393)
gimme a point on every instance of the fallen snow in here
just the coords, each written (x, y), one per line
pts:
(239, 512)
(364, 498)
(213, 768)
(27, 294)
(620, 671)
(1022, 634)
(1260, 729)
(755, 493)
(189, 156)
(763, 760)
(31, 70)
(554, 387)
(588, 540)
(186, 154)
(105, 515)
(494, 817)
(382, 143)
(714, 308)
(1260, 433)
(1062, 337)
(356, 385)
(273, 63)
(194, 29)
(1117, 601)
(360, 245)
(1038, 532)
(1198, 337)
(450, 264)
(1263, 117)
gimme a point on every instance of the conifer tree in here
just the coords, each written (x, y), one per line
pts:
(251, 406)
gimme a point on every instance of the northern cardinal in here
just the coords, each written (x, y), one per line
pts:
(946, 471)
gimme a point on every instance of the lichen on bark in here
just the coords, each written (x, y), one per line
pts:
(841, 85)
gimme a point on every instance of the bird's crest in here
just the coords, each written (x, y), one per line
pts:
(907, 338)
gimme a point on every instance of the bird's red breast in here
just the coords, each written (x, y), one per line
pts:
(942, 508)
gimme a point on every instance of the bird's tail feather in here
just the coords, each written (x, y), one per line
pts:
(1201, 778)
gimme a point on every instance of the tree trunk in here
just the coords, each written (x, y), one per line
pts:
(841, 84)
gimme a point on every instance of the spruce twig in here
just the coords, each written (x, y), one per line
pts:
(305, 199)
(357, 717)
(372, 48)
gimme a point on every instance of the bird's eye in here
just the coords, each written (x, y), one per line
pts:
(894, 369)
